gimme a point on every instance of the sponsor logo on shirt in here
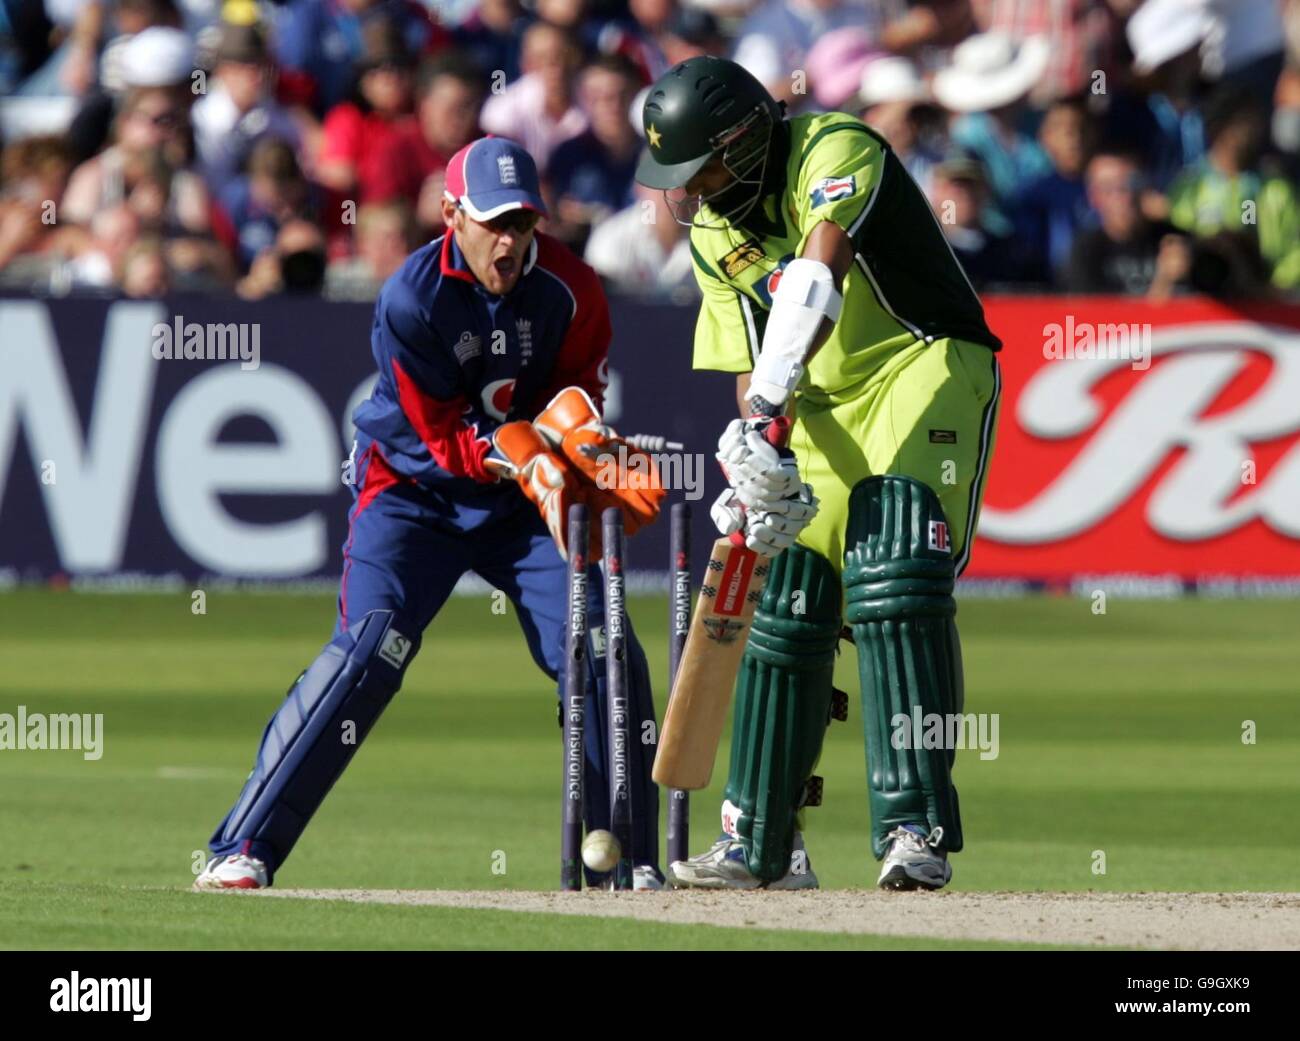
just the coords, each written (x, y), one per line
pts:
(829, 189)
(497, 396)
(741, 257)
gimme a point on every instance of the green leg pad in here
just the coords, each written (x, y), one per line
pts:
(783, 705)
(898, 578)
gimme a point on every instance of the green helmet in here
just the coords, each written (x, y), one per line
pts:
(701, 107)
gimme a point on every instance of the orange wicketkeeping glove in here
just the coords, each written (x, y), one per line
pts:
(612, 472)
(521, 453)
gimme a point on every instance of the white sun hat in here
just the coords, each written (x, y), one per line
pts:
(892, 78)
(1160, 30)
(990, 70)
(158, 56)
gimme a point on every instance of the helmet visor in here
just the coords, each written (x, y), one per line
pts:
(654, 174)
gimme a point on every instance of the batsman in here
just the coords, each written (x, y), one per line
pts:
(831, 292)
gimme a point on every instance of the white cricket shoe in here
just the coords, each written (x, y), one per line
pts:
(724, 867)
(914, 860)
(233, 872)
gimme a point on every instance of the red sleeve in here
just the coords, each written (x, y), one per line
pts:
(429, 386)
(584, 355)
(447, 428)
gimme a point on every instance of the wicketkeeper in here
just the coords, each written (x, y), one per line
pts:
(830, 290)
(483, 428)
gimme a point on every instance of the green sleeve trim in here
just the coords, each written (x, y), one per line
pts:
(703, 264)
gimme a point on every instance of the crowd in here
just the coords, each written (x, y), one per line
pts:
(1145, 147)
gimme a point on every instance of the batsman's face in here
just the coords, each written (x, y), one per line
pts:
(494, 249)
(712, 177)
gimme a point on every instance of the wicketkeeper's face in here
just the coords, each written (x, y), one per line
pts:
(494, 249)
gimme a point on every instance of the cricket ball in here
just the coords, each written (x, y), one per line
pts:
(600, 851)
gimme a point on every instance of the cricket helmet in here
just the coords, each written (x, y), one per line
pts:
(699, 108)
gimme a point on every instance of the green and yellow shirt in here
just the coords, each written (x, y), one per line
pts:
(905, 283)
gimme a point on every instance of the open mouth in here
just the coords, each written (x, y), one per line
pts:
(505, 266)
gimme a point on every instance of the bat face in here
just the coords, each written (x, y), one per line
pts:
(697, 711)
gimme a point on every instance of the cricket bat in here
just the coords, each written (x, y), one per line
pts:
(701, 695)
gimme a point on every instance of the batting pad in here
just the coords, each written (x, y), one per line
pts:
(898, 579)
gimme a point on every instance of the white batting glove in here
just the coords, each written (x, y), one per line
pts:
(758, 472)
(776, 529)
(727, 513)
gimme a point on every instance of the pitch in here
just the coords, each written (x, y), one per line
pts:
(1150, 749)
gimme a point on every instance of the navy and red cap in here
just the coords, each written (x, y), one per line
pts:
(492, 176)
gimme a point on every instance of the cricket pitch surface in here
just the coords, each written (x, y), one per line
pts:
(1163, 921)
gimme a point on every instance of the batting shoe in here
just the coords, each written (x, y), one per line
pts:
(724, 867)
(914, 860)
(233, 872)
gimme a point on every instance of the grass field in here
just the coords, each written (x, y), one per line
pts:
(1119, 733)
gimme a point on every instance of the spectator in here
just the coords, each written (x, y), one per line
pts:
(539, 110)
(590, 176)
(835, 64)
(987, 84)
(977, 233)
(1124, 253)
(928, 24)
(689, 33)
(896, 101)
(253, 208)
(100, 259)
(144, 270)
(643, 250)
(492, 38)
(295, 263)
(447, 118)
(322, 40)
(385, 237)
(641, 40)
(151, 120)
(1246, 48)
(1080, 35)
(158, 55)
(1051, 209)
(239, 108)
(359, 133)
(1166, 38)
(34, 173)
(1230, 192)
(776, 38)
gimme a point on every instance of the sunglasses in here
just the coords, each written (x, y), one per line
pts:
(519, 221)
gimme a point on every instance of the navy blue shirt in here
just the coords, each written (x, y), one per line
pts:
(583, 169)
(456, 361)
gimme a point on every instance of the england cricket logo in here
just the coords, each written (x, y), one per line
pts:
(524, 330)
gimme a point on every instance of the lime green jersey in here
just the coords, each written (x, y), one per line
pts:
(905, 283)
